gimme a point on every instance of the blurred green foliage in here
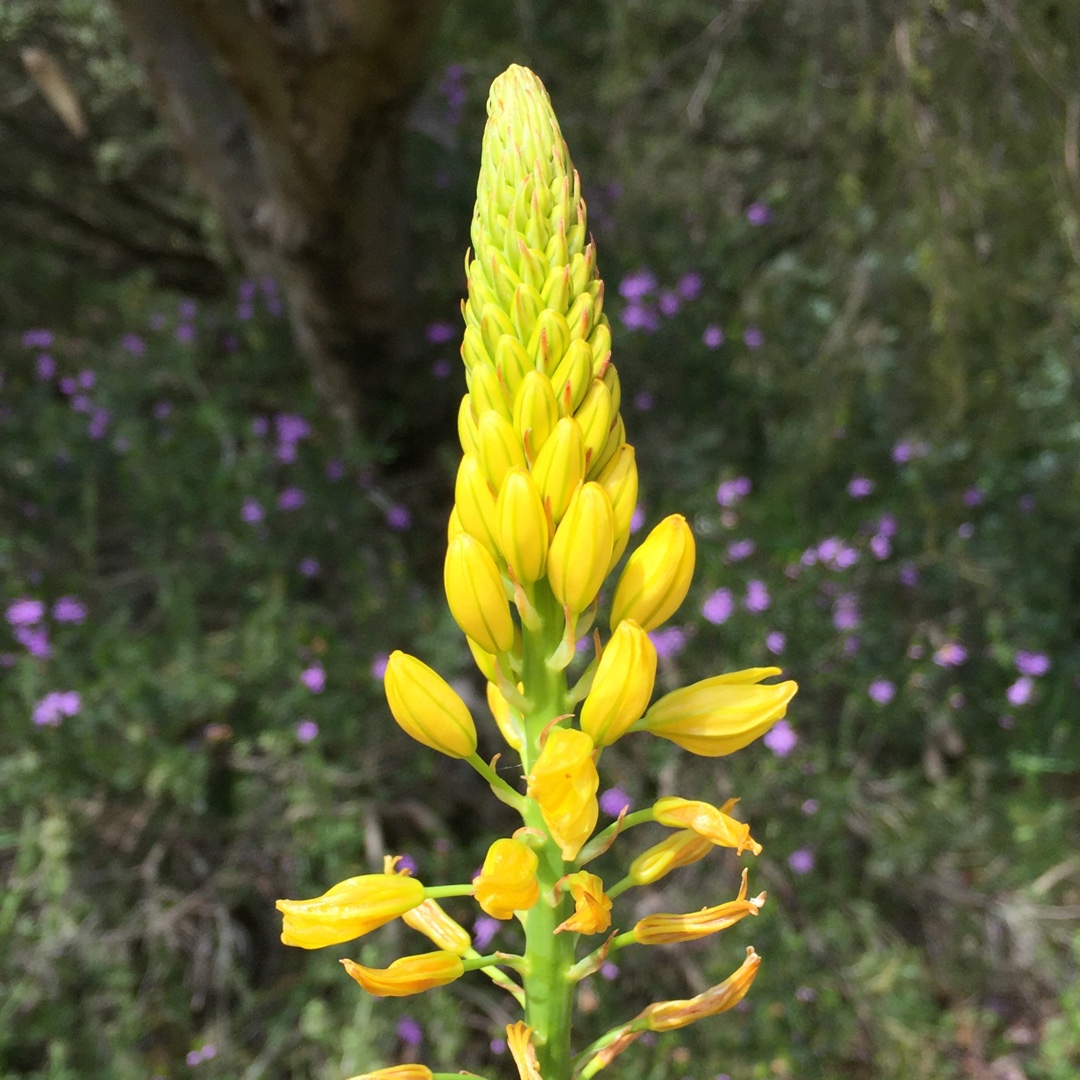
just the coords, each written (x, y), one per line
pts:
(881, 202)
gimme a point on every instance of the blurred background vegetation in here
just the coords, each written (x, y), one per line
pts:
(841, 242)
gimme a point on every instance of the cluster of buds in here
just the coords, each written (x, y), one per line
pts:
(544, 497)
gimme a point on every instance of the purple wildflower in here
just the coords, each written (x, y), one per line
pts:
(54, 706)
(309, 566)
(68, 385)
(69, 610)
(909, 575)
(644, 401)
(740, 549)
(753, 338)
(690, 285)
(882, 691)
(801, 861)
(668, 642)
(951, 654)
(637, 519)
(811, 807)
(306, 730)
(614, 801)
(974, 496)
(292, 498)
(185, 333)
(133, 345)
(25, 612)
(163, 410)
(846, 612)
(37, 339)
(260, 426)
(730, 492)
(252, 511)
(637, 285)
(1032, 663)
(781, 739)
(881, 546)
(441, 368)
(1020, 692)
(887, 525)
(406, 864)
(966, 531)
(757, 213)
(719, 607)
(291, 427)
(409, 1031)
(438, 333)
(713, 337)
(609, 971)
(484, 929)
(756, 599)
(638, 317)
(99, 423)
(335, 469)
(860, 487)
(378, 665)
(314, 678)
(668, 303)
(775, 642)
(398, 518)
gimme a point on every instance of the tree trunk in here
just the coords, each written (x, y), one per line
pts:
(290, 114)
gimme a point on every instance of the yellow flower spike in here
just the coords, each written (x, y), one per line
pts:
(657, 575)
(475, 594)
(619, 479)
(560, 466)
(564, 781)
(523, 526)
(622, 686)
(535, 413)
(720, 715)
(486, 391)
(350, 909)
(592, 906)
(581, 549)
(671, 1015)
(474, 502)
(427, 708)
(507, 881)
(679, 849)
(519, 1043)
(719, 827)
(409, 975)
(595, 417)
(397, 1072)
(466, 426)
(499, 448)
(572, 378)
(433, 922)
(506, 720)
(667, 929)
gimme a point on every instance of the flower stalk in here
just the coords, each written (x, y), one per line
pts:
(544, 497)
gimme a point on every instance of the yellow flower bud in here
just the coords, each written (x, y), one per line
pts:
(427, 708)
(560, 466)
(494, 323)
(474, 502)
(563, 781)
(350, 909)
(525, 308)
(433, 922)
(507, 881)
(397, 1072)
(595, 416)
(657, 576)
(519, 1043)
(600, 342)
(723, 714)
(614, 385)
(485, 661)
(409, 975)
(581, 549)
(512, 363)
(619, 479)
(473, 351)
(548, 341)
(475, 593)
(572, 378)
(535, 413)
(622, 685)
(523, 526)
(592, 906)
(453, 525)
(717, 826)
(665, 929)
(679, 849)
(485, 390)
(466, 426)
(615, 441)
(555, 291)
(507, 720)
(671, 1015)
(499, 447)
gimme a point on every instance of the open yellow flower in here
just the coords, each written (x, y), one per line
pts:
(409, 975)
(592, 906)
(507, 881)
(671, 1015)
(706, 820)
(720, 715)
(348, 910)
(663, 929)
(563, 781)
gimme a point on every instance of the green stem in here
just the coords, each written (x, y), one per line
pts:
(548, 955)
(503, 791)
(603, 840)
(436, 892)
